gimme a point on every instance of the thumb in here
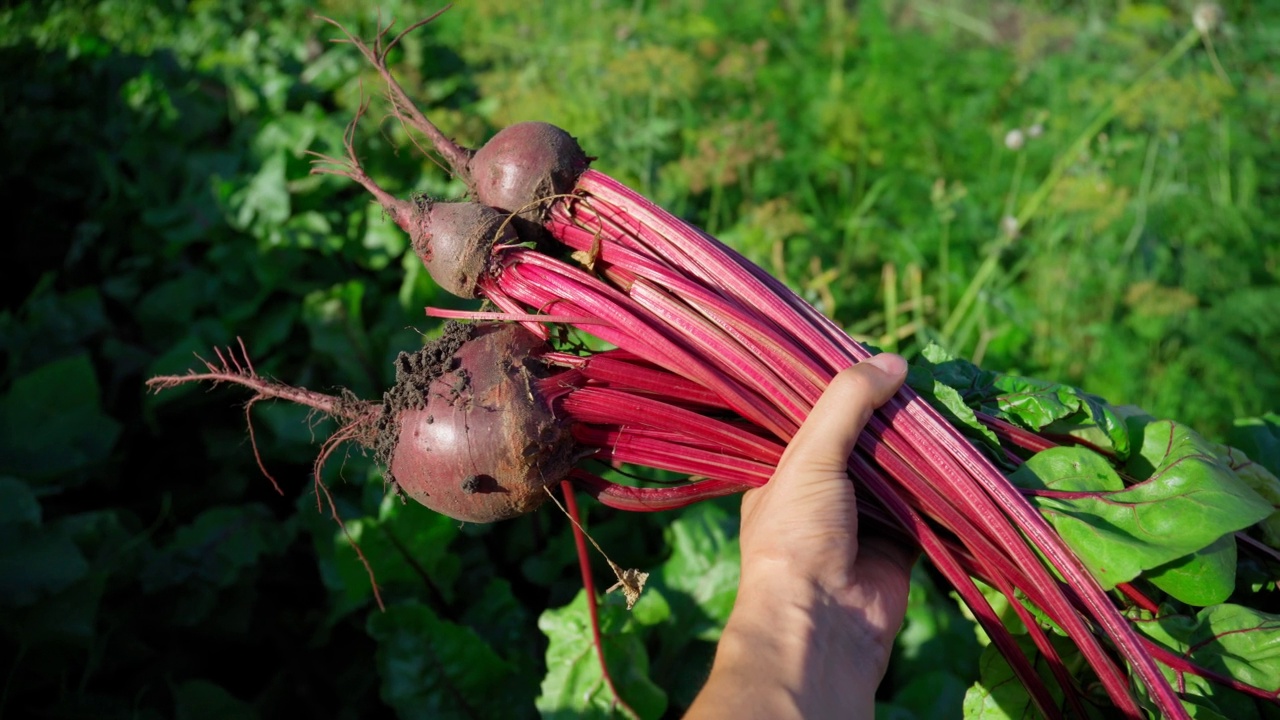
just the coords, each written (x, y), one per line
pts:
(827, 437)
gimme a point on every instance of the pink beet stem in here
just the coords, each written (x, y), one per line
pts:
(947, 455)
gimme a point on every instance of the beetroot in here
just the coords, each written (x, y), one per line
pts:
(467, 435)
(525, 166)
(454, 240)
(464, 431)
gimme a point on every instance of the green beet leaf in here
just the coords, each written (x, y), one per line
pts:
(999, 695)
(948, 383)
(574, 686)
(1232, 640)
(1119, 532)
(1254, 455)
(1259, 438)
(958, 388)
(1172, 449)
(931, 694)
(36, 563)
(213, 551)
(1205, 577)
(700, 579)
(407, 547)
(52, 423)
(204, 700)
(503, 623)
(936, 635)
(18, 505)
(1055, 408)
(697, 585)
(433, 668)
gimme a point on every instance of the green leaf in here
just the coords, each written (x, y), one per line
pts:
(407, 546)
(1062, 409)
(943, 389)
(216, 548)
(1255, 458)
(432, 668)
(999, 695)
(1259, 438)
(335, 319)
(935, 634)
(1175, 453)
(203, 700)
(930, 694)
(574, 686)
(68, 563)
(203, 568)
(1231, 640)
(51, 421)
(504, 624)
(1119, 532)
(700, 579)
(1190, 499)
(387, 241)
(18, 505)
(1026, 402)
(1205, 577)
(37, 563)
(263, 203)
(168, 309)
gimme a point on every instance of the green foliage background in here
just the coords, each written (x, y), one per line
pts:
(155, 154)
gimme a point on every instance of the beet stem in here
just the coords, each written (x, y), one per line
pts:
(400, 210)
(454, 154)
(584, 563)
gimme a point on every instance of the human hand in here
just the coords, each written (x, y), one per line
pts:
(818, 607)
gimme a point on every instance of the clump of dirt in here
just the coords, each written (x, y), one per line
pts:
(415, 373)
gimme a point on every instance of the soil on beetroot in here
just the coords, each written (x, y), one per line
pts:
(415, 372)
(455, 241)
(465, 429)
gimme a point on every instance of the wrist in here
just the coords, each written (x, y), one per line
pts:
(796, 643)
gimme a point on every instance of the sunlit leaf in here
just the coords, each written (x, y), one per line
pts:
(407, 547)
(1205, 577)
(1230, 640)
(700, 580)
(1118, 532)
(999, 695)
(574, 686)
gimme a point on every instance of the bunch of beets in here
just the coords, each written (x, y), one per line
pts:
(713, 367)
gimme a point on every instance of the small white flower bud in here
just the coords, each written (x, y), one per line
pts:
(1206, 17)
(1015, 139)
(1035, 131)
(1009, 226)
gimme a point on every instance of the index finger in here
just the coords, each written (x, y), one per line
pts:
(827, 437)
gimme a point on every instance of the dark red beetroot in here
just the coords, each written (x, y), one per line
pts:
(526, 166)
(453, 239)
(464, 431)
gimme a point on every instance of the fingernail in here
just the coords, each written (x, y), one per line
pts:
(889, 364)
